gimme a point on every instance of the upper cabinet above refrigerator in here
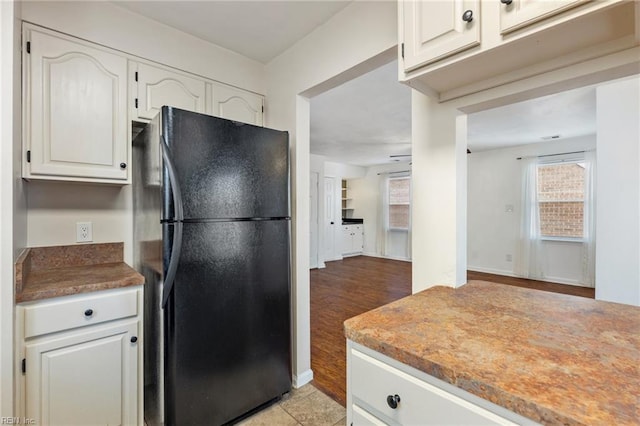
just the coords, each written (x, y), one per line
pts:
(80, 99)
(154, 86)
(75, 106)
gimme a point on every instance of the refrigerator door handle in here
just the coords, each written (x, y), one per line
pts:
(176, 247)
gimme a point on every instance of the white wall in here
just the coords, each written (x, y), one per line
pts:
(439, 193)
(495, 181)
(118, 28)
(358, 39)
(54, 208)
(12, 203)
(366, 195)
(439, 143)
(618, 192)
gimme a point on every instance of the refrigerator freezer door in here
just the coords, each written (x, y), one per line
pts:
(227, 321)
(226, 169)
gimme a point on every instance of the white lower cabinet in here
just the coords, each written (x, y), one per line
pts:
(382, 391)
(85, 368)
(352, 239)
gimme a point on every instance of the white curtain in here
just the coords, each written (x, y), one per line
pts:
(530, 258)
(589, 221)
(383, 212)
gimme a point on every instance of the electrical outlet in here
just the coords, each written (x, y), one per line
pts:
(84, 232)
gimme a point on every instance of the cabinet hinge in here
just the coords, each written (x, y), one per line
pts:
(136, 102)
(263, 109)
(28, 47)
(28, 156)
(402, 50)
(24, 365)
(136, 76)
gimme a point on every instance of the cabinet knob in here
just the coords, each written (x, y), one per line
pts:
(506, 2)
(123, 165)
(393, 401)
(467, 16)
(88, 312)
(134, 339)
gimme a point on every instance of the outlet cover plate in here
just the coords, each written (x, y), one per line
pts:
(84, 232)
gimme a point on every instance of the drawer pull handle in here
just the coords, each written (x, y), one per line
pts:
(467, 16)
(134, 339)
(393, 401)
(88, 312)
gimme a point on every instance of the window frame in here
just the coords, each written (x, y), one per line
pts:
(389, 204)
(573, 160)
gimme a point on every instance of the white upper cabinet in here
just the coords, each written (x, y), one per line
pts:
(516, 14)
(436, 29)
(75, 109)
(154, 87)
(236, 104)
(453, 48)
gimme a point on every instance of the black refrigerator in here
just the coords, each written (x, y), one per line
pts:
(212, 237)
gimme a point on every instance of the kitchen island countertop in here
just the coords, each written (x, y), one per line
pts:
(553, 358)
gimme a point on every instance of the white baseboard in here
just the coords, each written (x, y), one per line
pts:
(302, 378)
(493, 271)
(370, 254)
(558, 280)
(554, 280)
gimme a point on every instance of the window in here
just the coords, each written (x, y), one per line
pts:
(561, 188)
(399, 202)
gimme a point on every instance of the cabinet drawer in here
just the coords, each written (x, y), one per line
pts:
(361, 418)
(77, 311)
(419, 402)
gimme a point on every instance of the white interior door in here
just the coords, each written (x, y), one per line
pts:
(313, 220)
(329, 218)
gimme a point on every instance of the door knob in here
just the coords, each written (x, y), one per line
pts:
(393, 401)
(467, 16)
(123, 165)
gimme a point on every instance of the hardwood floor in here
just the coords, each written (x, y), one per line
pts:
(349, 287)
(344, 289)
(538, 285)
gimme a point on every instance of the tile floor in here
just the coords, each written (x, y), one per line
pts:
(306, 406)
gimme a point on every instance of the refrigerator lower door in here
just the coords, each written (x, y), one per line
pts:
(227, 322)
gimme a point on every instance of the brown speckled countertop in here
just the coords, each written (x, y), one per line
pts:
(553, 358)
(45, 272)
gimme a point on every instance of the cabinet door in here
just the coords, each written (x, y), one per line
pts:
(435, 29)
(83, 378)
(358, 238)
(236, 104)
(521, 13)
(75, 109)
(156, 87)
(347, 238)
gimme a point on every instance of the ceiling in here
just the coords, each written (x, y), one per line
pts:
(261, 29)
(566, 114)
(368, 119)
(363, 121)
